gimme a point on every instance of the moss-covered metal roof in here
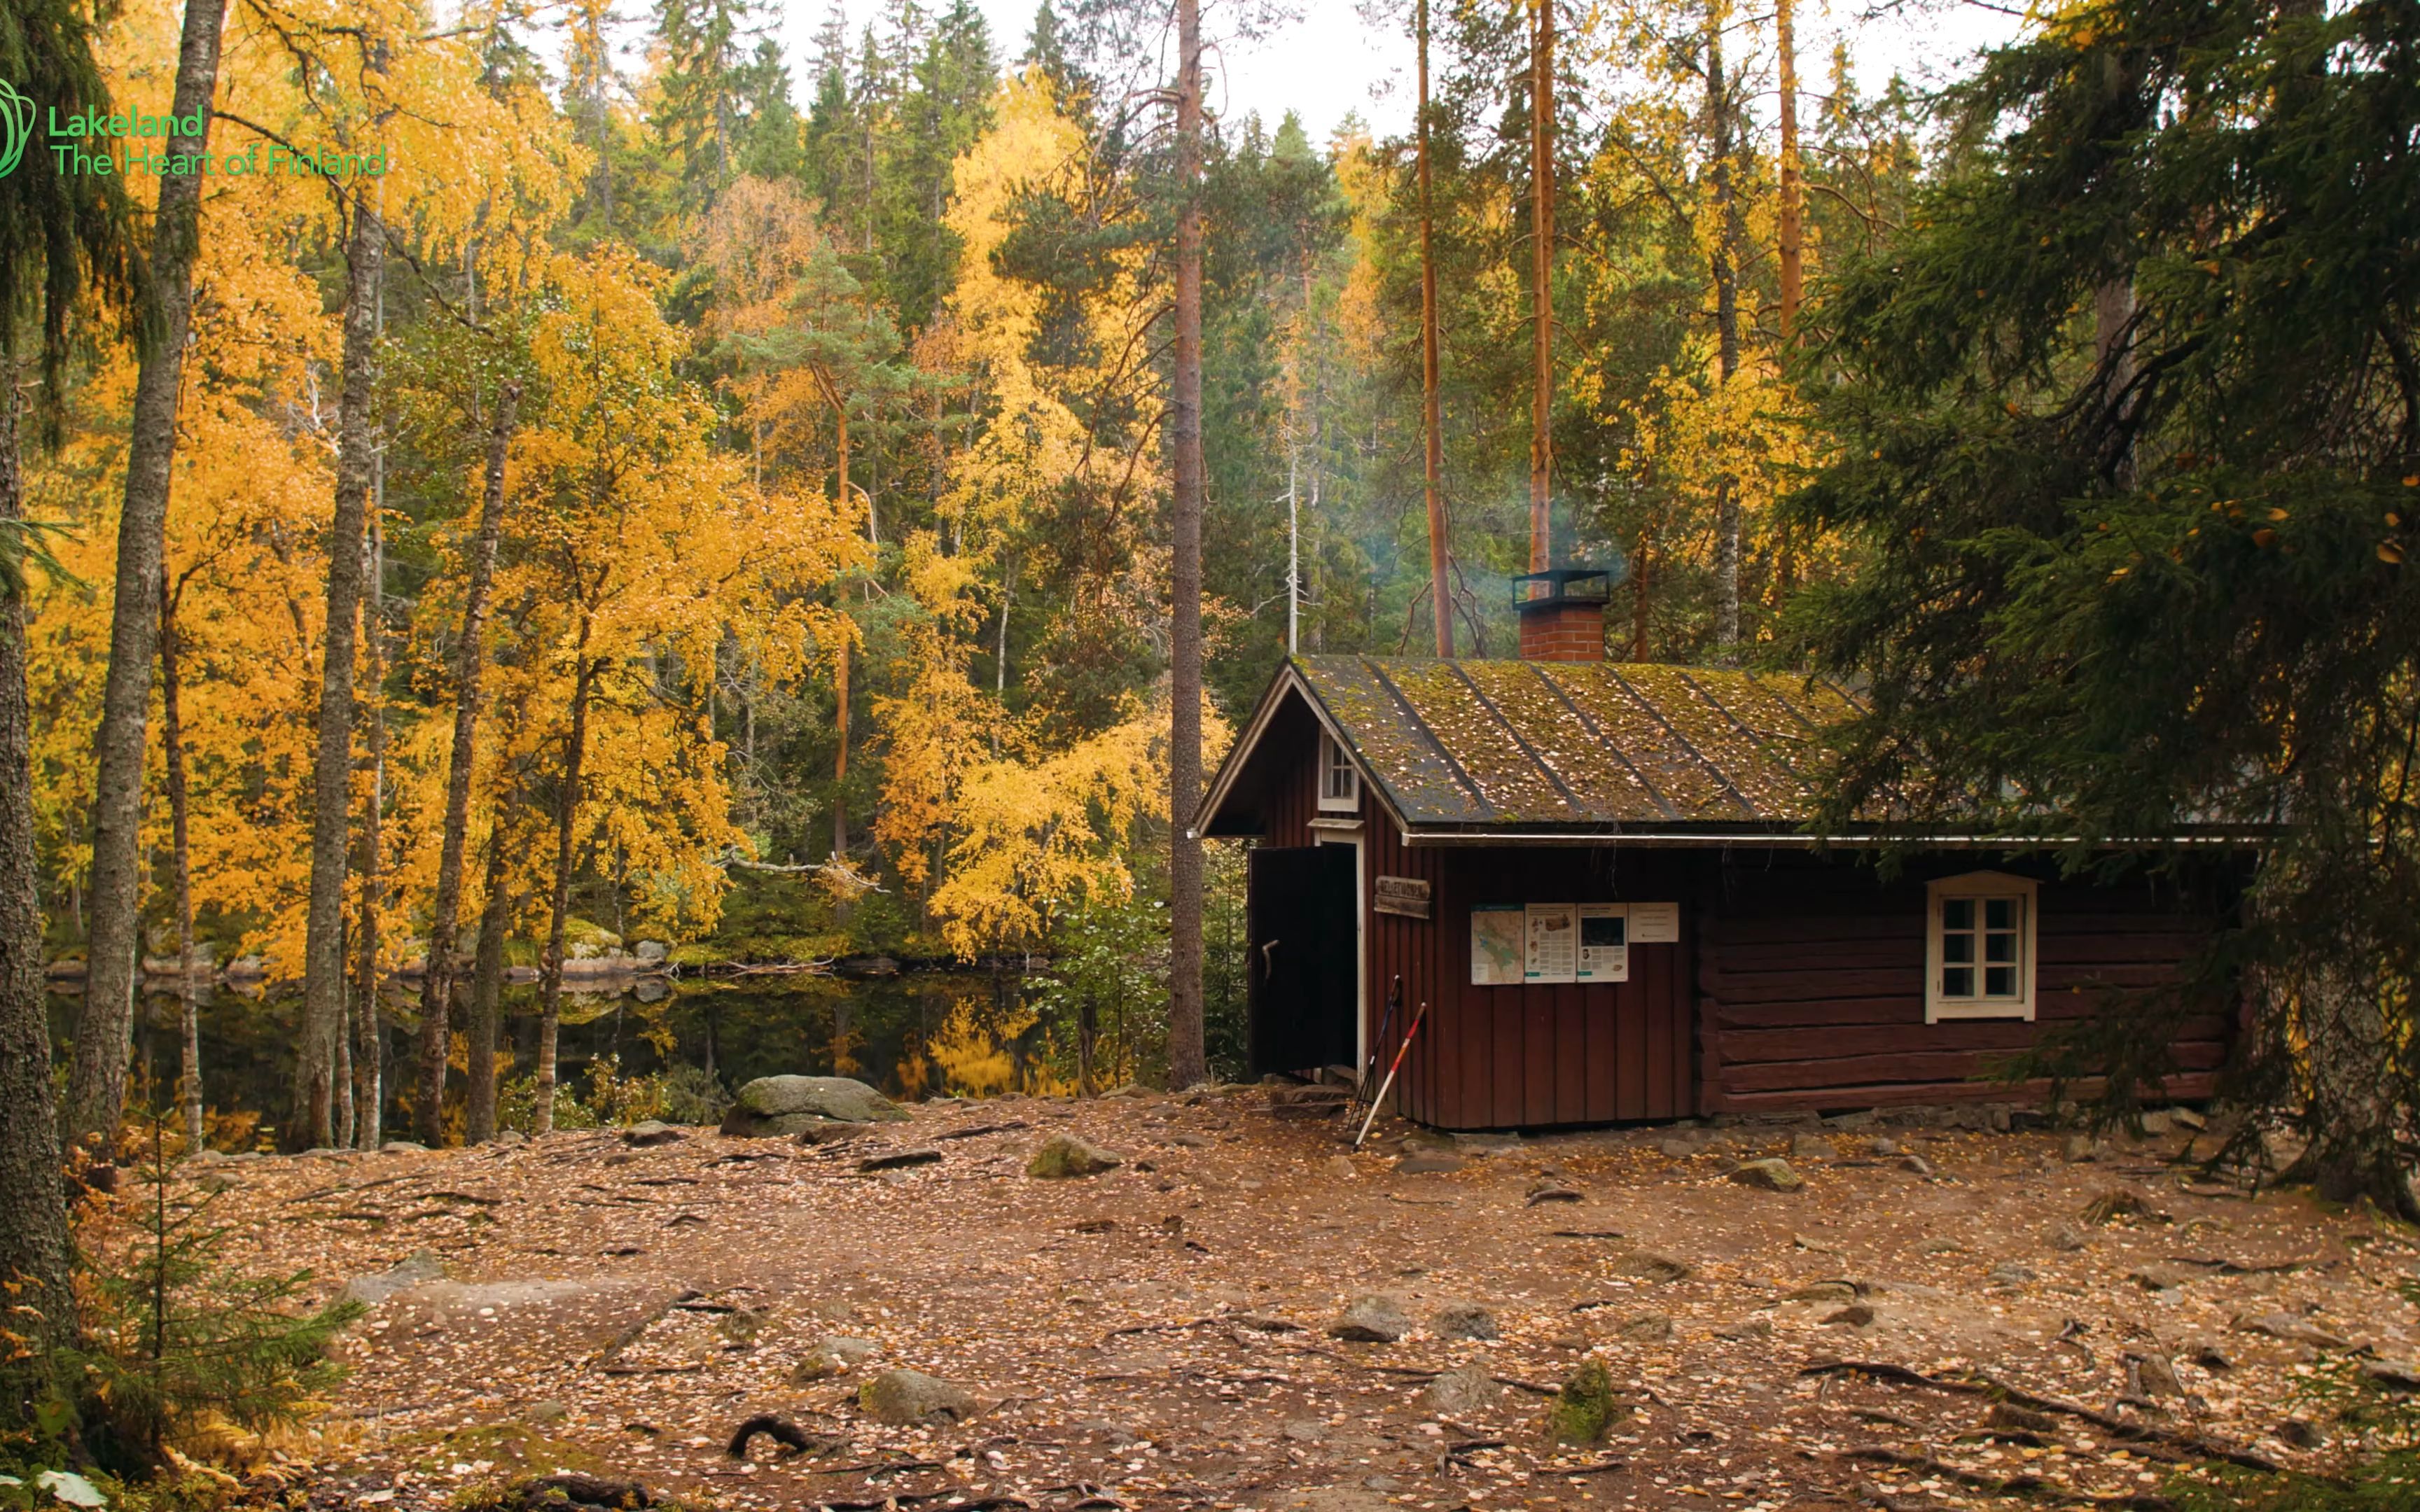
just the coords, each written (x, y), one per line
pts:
(1527, 746)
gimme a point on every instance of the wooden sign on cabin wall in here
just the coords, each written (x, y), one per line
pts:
(1406, 897)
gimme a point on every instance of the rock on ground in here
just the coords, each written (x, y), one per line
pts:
(652, 1132)
(1378, 1318)
(417, 1269)
(1063, 1155)
(1465, 1393)
(791, 1105)
(1584, 1408)
(901, 1397)
(1465, 1320)
(1772, 1175)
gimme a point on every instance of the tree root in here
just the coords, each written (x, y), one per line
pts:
(780, 1429)
(2117, 1428)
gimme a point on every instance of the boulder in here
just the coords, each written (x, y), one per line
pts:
(1676, 1148)
(1465, 1320)
(2010, 1273)
(1465, 1393)
(2120, 1202)
(2401, 1376)
(1062, 1156)
(904, 1397)
(2292, 1328)
(1584, 1408)
(417, 1268)
(2008, 1417)
(835, 1354)
(1812, 1147)
(894, 1160)
(2151, 1374)
(1646, 1328)
(789, 1105)
(1429, 1162)
(1377, 1319)
(651, 951)
(652, 1132)
(1769, 1176)
(1647, 1266)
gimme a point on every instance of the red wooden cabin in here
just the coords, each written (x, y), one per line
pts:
(1597, 877)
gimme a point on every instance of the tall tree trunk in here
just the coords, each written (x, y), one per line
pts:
(1432, 403)
(470, 658)
(369, 1091)
(1186, 1064)
(323, 949)
(1791, 232)
(1726, 343)
(840, 759)
(33, 1204)
(1541, 283)
(171, 749)
(104, 1032)
(559, 902)
(486, 995)
(1642, 592)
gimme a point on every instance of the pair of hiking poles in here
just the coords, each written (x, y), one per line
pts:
(1385, 1027)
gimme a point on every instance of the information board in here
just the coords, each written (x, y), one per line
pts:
(1655, 923)
(1604, 942)
(1496, 945)
(1553, 952)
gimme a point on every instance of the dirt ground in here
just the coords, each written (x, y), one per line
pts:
(621, 1310)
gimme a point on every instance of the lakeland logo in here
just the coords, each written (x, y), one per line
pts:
(16, 126)
(122, 143)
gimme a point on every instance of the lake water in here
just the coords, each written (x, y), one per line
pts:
(914, 1035)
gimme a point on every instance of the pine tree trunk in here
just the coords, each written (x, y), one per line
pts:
(559, 902)
(323, 951)
(1790, 230)
(1541, 283)
(437, 980)
(1728, 524)
(486, 995)
(33, 1205)
(1432, 403)
(1186, 1064)
(172, 750)
(840, 761)
(369, 1045)
(104, 1032)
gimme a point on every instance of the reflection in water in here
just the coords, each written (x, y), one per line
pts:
(913, 1035)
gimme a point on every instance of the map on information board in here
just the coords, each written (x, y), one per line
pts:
(1496, 945)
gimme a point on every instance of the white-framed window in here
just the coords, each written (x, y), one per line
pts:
(1978, 948)
(1340, 781)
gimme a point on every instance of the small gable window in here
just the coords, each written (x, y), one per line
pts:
(1339, 783)
(1979, 947)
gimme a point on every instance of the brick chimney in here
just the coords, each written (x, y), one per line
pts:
(1562, 613)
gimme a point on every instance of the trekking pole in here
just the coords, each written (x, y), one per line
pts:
(1401, 1051)
(1385, 1027)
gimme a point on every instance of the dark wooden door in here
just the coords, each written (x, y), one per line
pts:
(1298, 916)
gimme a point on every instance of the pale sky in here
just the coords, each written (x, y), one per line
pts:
(1329, 62)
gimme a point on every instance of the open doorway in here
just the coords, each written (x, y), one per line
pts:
(1303, 978)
